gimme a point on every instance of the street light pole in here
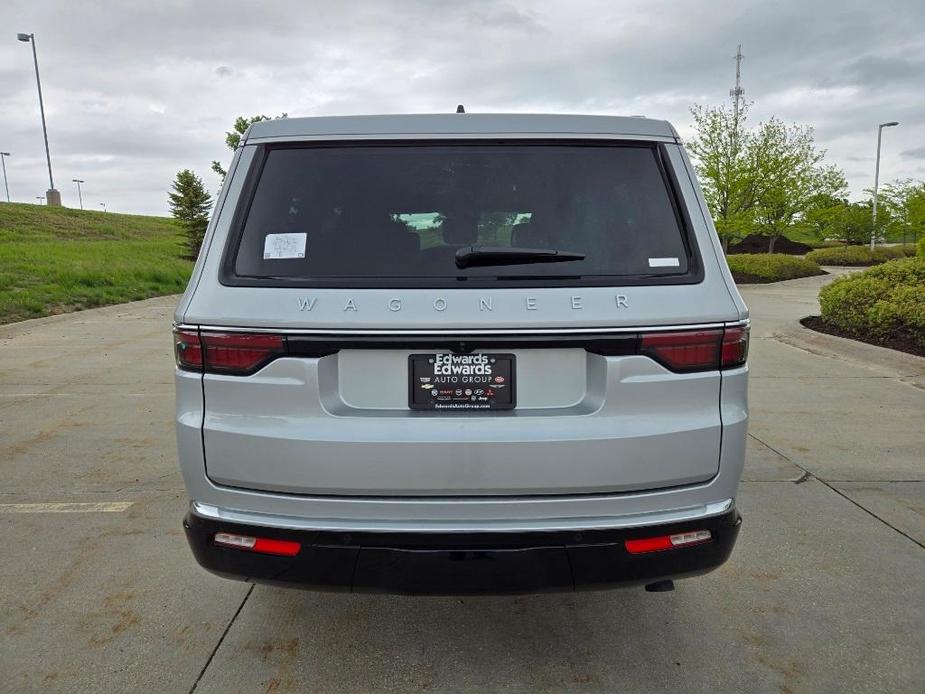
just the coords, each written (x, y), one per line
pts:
(80, 197)
(6, 184)
(873, 232)
(103, 205)
(54, 197)
(40, 198)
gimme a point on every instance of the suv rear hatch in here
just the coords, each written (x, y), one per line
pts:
(492, 366)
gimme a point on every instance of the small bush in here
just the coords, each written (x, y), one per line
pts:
(883, 304)
(921, 247)
(770, 267)
(858, 255)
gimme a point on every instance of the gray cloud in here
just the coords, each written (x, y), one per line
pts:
(884, 71)
(915, 153)
(136, 92)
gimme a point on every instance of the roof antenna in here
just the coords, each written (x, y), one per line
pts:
(460, 109)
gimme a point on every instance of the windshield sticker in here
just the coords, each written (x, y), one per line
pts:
(280, 246)
(664, 262)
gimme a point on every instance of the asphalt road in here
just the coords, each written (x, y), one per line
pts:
(825, 591)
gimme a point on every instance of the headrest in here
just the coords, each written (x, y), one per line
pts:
(459, 231)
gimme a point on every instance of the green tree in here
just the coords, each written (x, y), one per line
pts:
(233, 137)
(190, 203)
(720, 148)
(824, 218)
(915, 211)
(789, 177)
(904, 202)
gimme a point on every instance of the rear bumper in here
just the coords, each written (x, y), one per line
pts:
(457, 563)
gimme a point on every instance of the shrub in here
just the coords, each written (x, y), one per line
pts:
(885, 303)
(921, 247)
(770, 267)
(857, 255)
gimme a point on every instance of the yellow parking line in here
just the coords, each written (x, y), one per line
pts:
(68, 507)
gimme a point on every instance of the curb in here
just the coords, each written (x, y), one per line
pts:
(8, 330)
(874, 357)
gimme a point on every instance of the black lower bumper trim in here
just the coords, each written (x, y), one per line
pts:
(462, 564)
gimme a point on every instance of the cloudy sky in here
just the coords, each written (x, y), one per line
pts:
(135, 91)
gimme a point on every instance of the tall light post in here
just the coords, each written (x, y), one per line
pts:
(80, 197)
(54, 197)
(873, 233)
(3, 156)
(103, 205)
(41, 199)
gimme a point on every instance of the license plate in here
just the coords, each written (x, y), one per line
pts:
(460, 382)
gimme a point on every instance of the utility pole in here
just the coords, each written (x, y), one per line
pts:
(80, 197)
(54, 197)
(6, 184)
(737, 93)
(873, 231)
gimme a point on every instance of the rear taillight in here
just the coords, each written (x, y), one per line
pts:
(691, 350)
(240, 353)
(697, 350)
(735, 347)
(187, 349)
(235, 354)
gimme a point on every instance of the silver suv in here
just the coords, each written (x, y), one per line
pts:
(461, 353)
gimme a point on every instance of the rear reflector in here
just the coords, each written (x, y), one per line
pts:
(236, 354)
(263, 545)
(662, 542)
(697, 350)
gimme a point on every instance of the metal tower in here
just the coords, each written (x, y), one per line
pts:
(738, 92)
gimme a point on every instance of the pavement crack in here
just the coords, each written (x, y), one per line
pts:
(221, 640)
(807, 475)
(913, 381)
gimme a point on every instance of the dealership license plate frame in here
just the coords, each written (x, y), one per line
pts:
(420, 367)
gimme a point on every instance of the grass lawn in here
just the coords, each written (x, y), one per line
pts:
(55, 260)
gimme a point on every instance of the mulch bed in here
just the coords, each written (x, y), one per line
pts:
(746, 278)
(900, 344)
(759, 244)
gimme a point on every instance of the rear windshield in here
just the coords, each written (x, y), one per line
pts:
(396, 215)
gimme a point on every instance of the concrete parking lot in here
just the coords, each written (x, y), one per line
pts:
(825, 591)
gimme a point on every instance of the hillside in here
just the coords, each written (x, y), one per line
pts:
(55, 259)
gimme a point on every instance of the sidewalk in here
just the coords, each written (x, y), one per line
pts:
(851, 414)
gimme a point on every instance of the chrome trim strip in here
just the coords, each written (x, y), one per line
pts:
(461, 331)
(436, 526)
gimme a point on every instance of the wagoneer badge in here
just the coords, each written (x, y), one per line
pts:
(485, 303)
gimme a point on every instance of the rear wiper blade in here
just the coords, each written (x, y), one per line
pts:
(476, 256)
